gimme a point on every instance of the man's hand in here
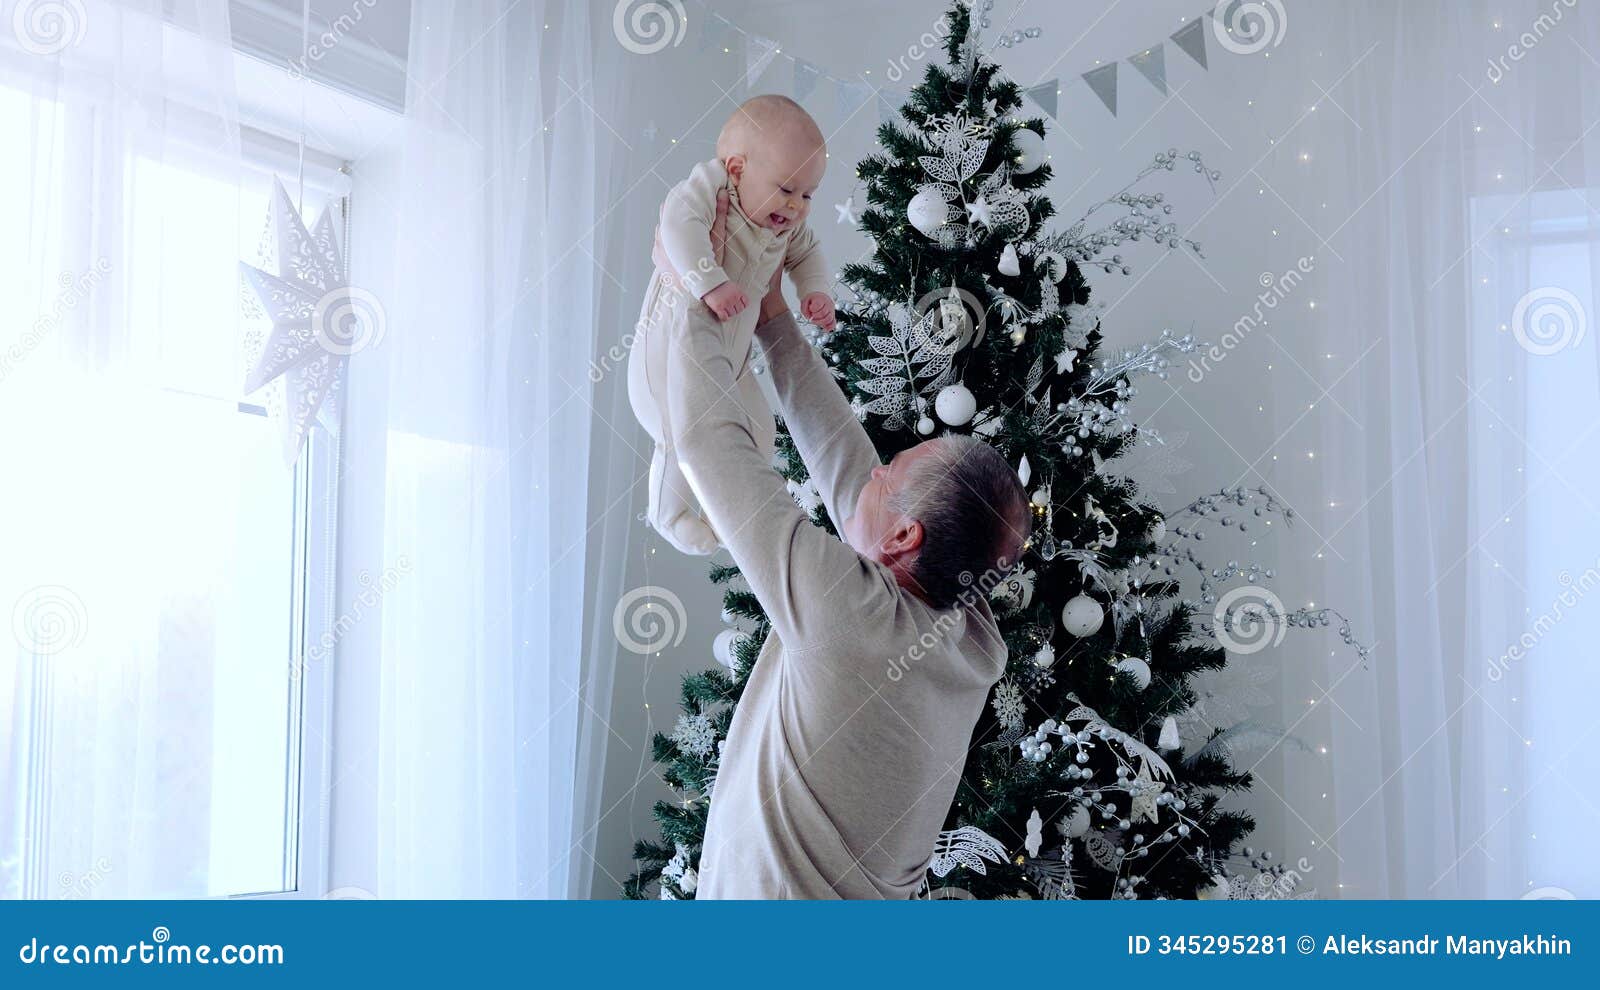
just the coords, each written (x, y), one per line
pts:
(818, 308)
(726, 300)
(719, 237)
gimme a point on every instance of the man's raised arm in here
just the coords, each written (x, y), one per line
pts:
(803, 577)
(830, 439)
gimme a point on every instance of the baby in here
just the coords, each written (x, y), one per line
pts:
(770, 159)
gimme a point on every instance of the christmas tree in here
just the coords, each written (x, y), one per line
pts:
(970, 317)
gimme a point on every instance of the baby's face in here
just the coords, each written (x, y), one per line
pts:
(778, 182)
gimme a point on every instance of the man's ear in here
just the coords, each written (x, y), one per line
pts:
(735, 164)
(905, 538)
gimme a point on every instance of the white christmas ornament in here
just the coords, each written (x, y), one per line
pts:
(1045, 658)
(1082, 616)
(1010, 265)
(318, 319)
(1136, 669)
(1170, 740)
(1024, 471)
(1216, 890)
(925, 426)
(1076, 825)
(1158, 531)
(955, 404)
(1030, 152)
(1035, 833)
(1041, 497)
(722, 647)
(927, 212)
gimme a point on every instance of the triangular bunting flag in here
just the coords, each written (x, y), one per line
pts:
(849, 97)
(1152, 64)
(889, 103)
(805, 79)
(1047, 95)
(1104, 83)
(758, 54)
(717, 33)
(1192, 39)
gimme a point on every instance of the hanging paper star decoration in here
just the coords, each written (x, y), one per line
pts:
(846, 211)
(317, 321)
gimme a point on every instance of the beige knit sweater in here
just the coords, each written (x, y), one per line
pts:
(844, 754)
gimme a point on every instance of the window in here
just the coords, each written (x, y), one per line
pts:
(1541, 521)
(162, 568)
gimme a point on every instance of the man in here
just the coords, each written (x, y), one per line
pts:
(844, 754)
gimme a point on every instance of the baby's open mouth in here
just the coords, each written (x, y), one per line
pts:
(778, 219)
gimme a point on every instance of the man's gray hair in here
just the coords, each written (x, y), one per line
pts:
(974, 516)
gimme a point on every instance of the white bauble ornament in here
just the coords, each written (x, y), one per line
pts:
(1076, 825)
(925, 426)
(1170, 740)
(1045, 658)
(722, 647)
(1010, 265)
(1158, 531)
(1136, 669)
(955, 404)
(1082, 616)
(1029, 148)
(1041, 497)
(927, 212)
(1216, 890)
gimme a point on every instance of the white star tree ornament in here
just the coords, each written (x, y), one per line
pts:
(317, 320)
(846, 211)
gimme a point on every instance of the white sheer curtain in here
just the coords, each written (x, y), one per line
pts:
(1441, 163)
(468, 444)
(141, 710)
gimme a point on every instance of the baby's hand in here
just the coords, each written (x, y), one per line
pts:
(818, 308)
(726, 300)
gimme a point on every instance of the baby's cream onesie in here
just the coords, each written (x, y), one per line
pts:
(753, 253)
